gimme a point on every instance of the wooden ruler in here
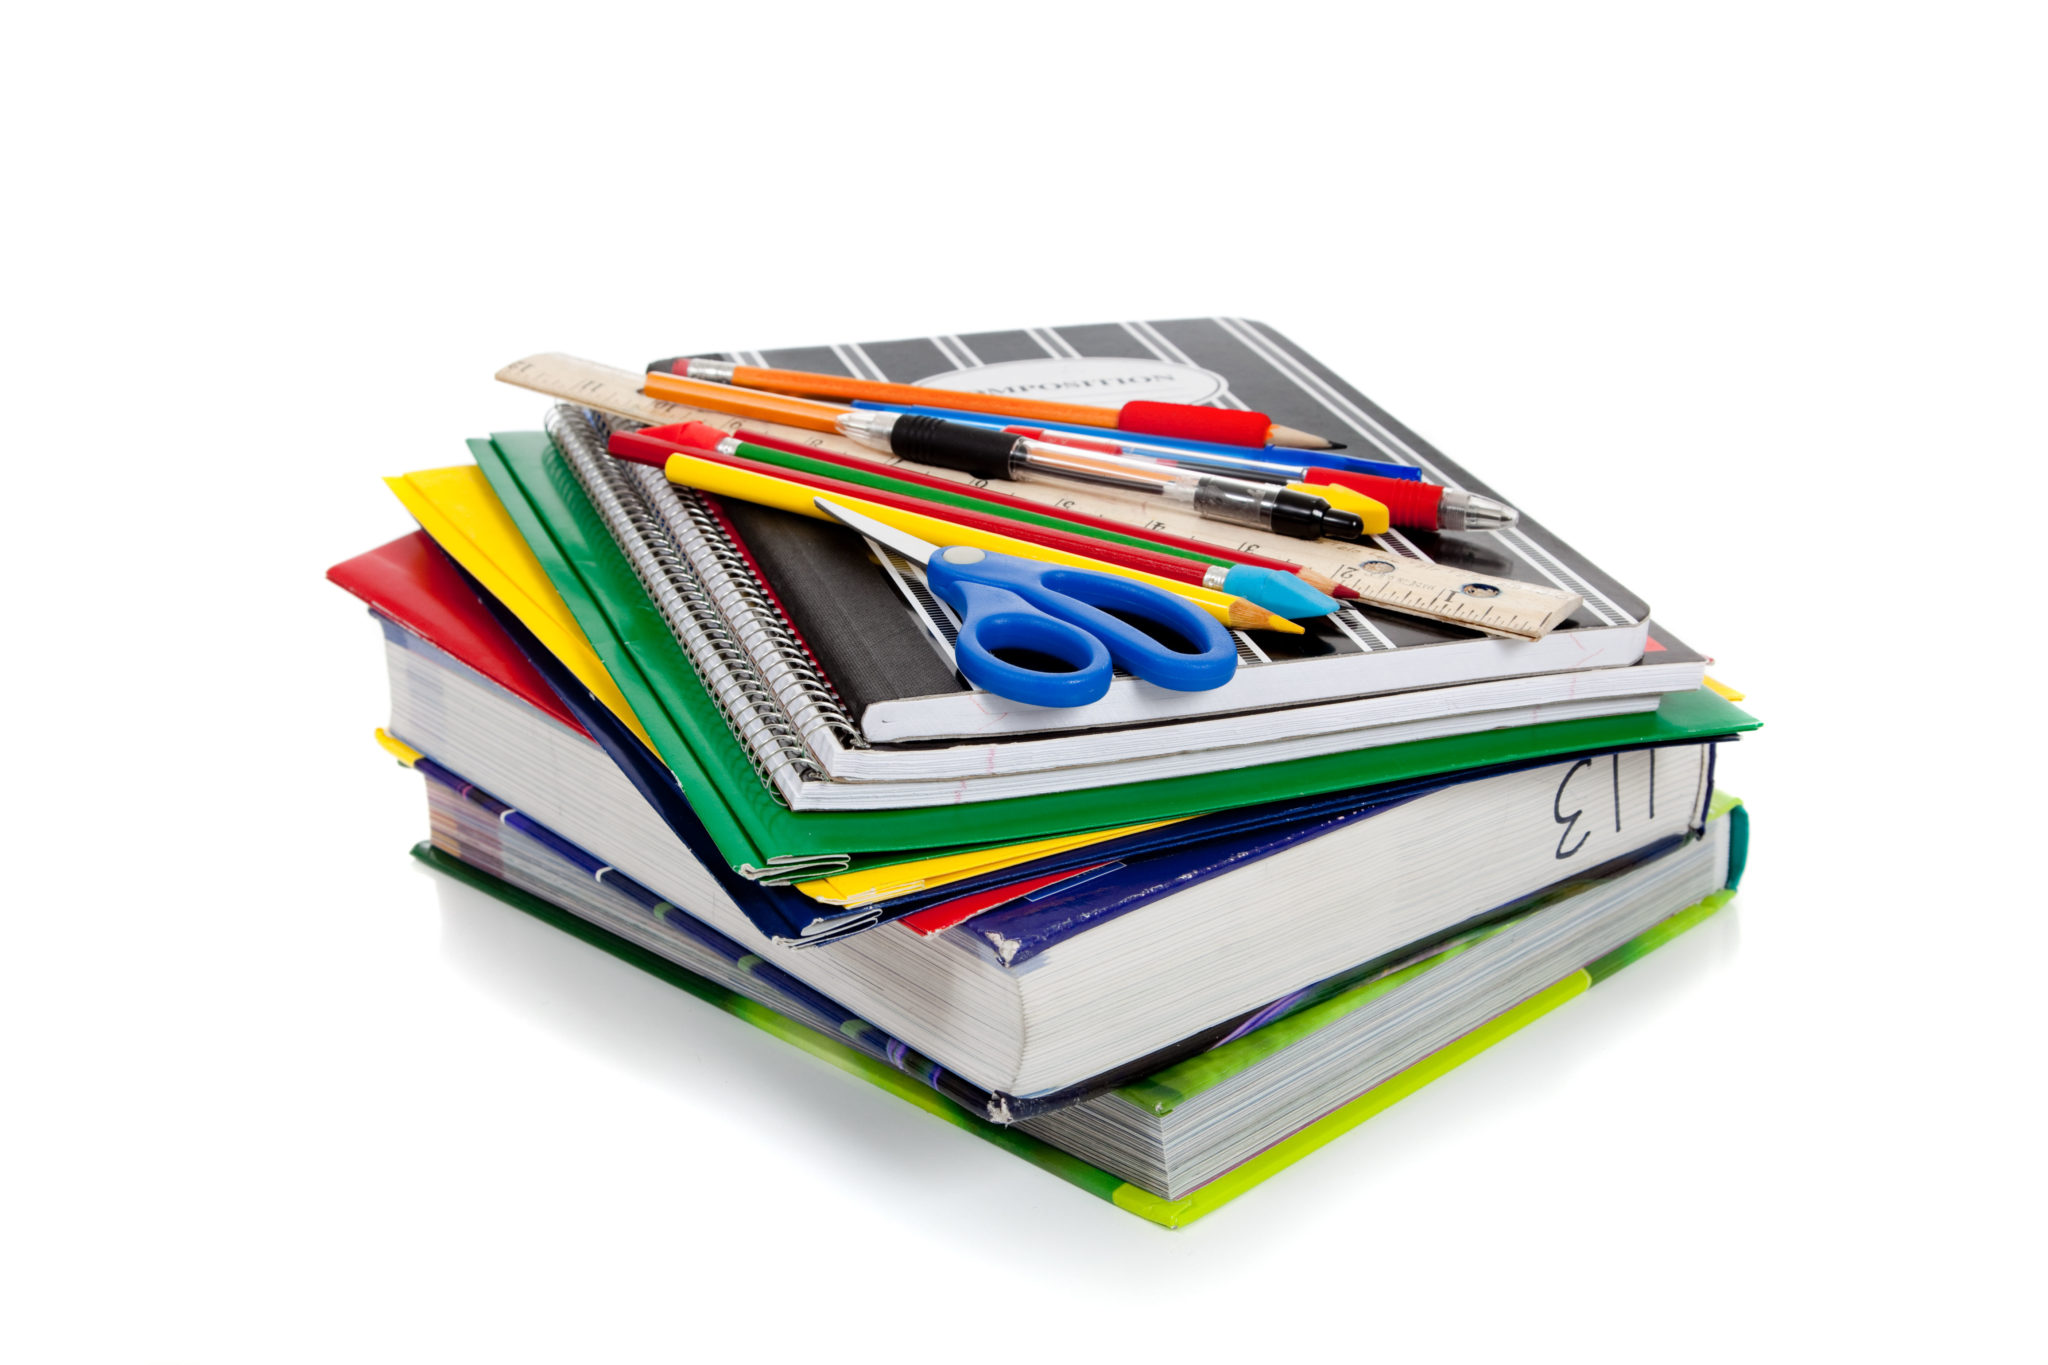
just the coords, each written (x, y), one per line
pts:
(1412, 587)
(1497, 606)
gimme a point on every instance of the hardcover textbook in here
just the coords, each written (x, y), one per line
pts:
(1179, 1142)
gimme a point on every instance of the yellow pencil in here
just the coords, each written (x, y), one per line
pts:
(744, 484)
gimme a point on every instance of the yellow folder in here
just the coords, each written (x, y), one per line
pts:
(457, 507)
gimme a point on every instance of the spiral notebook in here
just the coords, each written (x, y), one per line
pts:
(784, 708)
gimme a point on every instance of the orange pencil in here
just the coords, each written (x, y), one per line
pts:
(1183, 420)
(762, 407)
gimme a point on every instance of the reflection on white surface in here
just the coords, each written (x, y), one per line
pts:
(704, 1057)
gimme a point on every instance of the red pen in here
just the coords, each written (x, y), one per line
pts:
(1424, 506)
(1409, 502)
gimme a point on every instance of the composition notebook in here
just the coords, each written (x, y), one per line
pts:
(1225, 362)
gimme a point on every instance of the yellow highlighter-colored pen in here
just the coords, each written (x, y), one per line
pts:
(725, 481)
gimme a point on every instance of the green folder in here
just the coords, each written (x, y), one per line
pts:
(751, 827)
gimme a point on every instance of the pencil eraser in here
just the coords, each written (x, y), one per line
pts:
(1186, 422)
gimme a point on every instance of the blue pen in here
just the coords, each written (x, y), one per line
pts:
(1221, 458)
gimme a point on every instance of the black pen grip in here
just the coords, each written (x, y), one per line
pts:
(953, 445)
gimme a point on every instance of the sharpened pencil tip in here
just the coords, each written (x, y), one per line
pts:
(1245, 614)
(1299, 440)
(1320, 582)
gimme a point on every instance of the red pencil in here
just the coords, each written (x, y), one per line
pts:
(645, 448)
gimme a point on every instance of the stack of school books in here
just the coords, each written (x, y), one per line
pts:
(1161, 943)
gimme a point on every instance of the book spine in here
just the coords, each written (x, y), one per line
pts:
(766, 733)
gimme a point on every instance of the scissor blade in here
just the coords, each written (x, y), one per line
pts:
(902, 542)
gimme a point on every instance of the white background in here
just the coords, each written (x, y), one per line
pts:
(1745, 300)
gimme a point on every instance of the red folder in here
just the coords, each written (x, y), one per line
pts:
(414, 584)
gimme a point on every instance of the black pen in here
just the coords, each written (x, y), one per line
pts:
(990, 454)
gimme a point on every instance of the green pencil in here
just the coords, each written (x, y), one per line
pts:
(1281, 588)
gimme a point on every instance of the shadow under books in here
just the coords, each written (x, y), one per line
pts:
(659, 1033)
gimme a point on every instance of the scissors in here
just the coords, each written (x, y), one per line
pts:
(1053, 615)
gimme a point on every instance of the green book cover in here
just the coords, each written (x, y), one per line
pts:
(751, 827)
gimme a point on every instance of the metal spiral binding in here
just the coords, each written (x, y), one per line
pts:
(771, 742)
(805, 696)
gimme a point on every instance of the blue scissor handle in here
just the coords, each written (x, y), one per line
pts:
(1010, 603)
(994, 619)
